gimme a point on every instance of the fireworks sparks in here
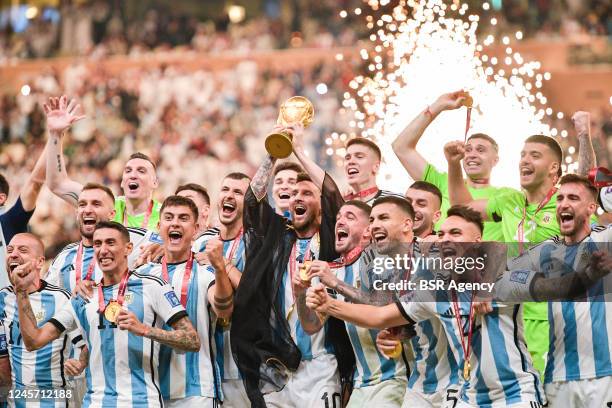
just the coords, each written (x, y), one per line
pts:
(421, 49)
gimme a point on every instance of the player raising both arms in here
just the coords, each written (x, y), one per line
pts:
(122, 325)
(136, 208)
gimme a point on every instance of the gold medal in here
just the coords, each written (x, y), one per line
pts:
(111, 311)
(304, 271)
(223, 322)
(466, 371)
(397, 351)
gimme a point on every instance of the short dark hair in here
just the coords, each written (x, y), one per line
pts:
(4, 185)
(288, 165)
(365, 142)
(401, 202)
(359, 204)
(426, 186)
(98, 186)
(201, 190)
(303, 177)
(180, 201)
(575, 178)
(552, 145)
(467, 214)
(237, 176)
(139, 155)
(125, 234)
(485, 137)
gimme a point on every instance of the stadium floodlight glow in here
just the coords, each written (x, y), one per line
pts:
(433, 51)
(236, 13)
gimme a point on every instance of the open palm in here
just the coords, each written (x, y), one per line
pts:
(61, 114)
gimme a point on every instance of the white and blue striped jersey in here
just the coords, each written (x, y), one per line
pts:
(188, 374)
(123, 367)
(311, 346)
(501, 369)
(580, 331)
(223, 350)
(372, 366)
(43, 368)
(62, 271)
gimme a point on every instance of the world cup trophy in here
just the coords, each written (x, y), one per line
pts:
(293, 110)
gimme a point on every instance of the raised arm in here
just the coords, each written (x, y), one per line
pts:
(60, 116)
(262, 177)
(221, 294)
(586, 153)
(458, 193)
(405, 144)
(31, 189)
(368, 316)
(316, 173)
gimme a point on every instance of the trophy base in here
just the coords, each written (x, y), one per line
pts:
(279, 145)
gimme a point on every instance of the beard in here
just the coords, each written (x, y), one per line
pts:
(306, 224)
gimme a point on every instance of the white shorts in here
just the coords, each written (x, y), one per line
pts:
(190, 402)
(531, 404)
(315, 384)
(385, 394)
(442, 399)
(594, 392)
(78, 386)
(234, 394)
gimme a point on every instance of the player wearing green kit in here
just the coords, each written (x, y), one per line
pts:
(136, 208)
(526, 217)
(480, 158)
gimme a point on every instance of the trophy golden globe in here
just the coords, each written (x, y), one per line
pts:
(293, 110)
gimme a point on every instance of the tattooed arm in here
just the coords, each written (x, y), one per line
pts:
(60, 116)
(34, 337)
(5, 372)
(221, 294)
(260, 181)
(586, 154)
(182, 336)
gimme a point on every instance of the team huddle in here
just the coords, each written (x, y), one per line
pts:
(296, 298)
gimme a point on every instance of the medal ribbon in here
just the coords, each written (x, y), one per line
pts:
(293, 263)
(235, 244)
(350, 257)
(521, 225)
(186, 276)
(465, 347)
(468, 119)
(145, 221)
(120, 294)
(361, 194)
(79, 265)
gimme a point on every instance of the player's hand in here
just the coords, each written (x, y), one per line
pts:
(24, 277)
(299, 286)
(297, 135)
(483, 307)
(582, 122)
(127, 320)
(84, 289)
(214, 251)
(449, 101)
(318, 299)
(201, 258)
(323, 272)
(61, 114)
(149, 253)
(386, 342)
(600, 265)
(74, 367)
(454, 151)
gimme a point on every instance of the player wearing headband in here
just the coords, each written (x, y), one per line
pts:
(136, 208)
(122, 326)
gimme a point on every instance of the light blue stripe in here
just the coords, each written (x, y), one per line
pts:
(482, 391)
(165, 352)
(79, 308)
(65, 270)
(570, 338)
(192, 359)
(430, 383)
(365, 369)
(42, 372)
(107, 342)
(136, 344)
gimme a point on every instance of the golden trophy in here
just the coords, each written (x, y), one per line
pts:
(293, 110)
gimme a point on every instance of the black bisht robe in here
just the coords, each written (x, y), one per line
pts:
(261, 340)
